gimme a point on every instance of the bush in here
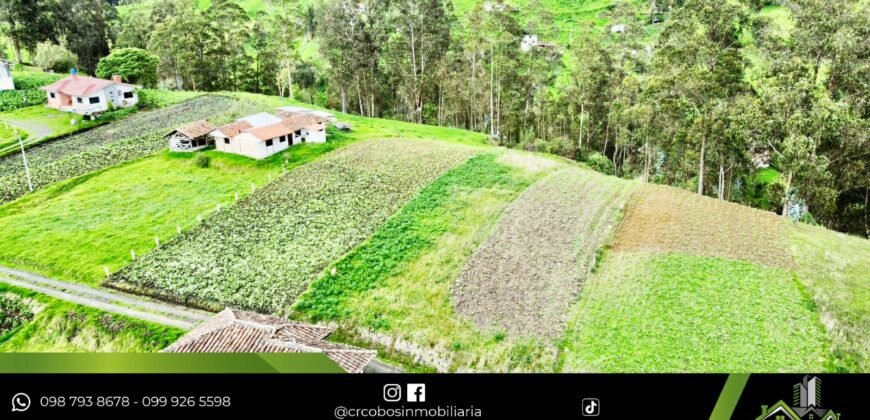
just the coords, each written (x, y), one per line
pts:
(11, 100)
(201, 160)
(600, 163)
(135, 65)
(54, 57)
(13, 314)
(27, 80)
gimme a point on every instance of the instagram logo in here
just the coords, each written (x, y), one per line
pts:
(392, 392)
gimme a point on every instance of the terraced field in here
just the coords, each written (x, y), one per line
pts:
(263, 252)
(524, 278)
(135, 137)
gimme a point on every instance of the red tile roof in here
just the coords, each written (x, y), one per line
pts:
(234, 128)
(271, 131)
(234, 331)
(75, 85)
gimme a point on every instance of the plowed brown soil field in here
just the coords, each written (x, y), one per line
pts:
(670, 220)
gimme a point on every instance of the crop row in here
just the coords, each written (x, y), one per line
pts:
(523, 279)
(131, 138)
(263, 252)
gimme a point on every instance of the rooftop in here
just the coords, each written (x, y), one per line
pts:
(75, 85)
(235, 331)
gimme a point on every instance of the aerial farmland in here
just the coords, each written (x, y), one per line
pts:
(437, 243)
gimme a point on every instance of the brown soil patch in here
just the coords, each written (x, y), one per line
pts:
(523, 279)
(667, 219)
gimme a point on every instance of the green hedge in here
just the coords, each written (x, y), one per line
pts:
(26, 80)
(11, 100)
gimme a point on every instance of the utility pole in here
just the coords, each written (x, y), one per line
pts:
(24, 156)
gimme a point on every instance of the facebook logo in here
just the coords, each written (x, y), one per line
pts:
(416, 392)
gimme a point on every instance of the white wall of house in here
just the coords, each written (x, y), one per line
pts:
(117, 94)
(6, 82)
(317, 136)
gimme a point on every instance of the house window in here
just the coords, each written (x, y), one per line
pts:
(283, 139)
(51, 94)
(94, 100)
(79, 100)
(128, 95)
(268, 143)
(226, 140)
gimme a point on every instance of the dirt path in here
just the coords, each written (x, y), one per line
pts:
(109, 301)
(37, 131)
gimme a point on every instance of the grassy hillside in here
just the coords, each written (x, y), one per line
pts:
(448, 254)
(58, 326)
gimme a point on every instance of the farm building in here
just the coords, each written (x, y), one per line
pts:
(6, 76)
(262, 135)
(234, 331)
(192, 137)
(88, 95)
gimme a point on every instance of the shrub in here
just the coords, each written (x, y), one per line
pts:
(13, 314)
(135, 65)
(26, 80)
(54, 57)
(201, 160)
(10, 100)
(600, 163)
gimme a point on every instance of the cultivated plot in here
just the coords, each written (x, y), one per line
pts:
(667, 219)
(134, 137)
(394, 290)
(523, 279)
(263, 252)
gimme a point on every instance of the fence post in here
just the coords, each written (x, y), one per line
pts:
(199, 217)
(157, 241)
(218, 208)
(253, 187)
(178, 229)
(237, 196)
(106, 269)
(133, 254)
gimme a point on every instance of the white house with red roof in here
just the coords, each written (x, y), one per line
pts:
(262, 135)
(89, 95)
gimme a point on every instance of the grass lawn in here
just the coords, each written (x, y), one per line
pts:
(59, 326)
(396, 287)
(73, 229)
(677, 313)
(54, 120)
(7, 135)
(835, 268)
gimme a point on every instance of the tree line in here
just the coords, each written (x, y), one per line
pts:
(703, 105)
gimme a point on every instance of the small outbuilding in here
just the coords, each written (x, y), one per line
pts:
(191, 137)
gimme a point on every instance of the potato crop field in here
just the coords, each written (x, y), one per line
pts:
(263, 252)
(137, 136)
(524, 278)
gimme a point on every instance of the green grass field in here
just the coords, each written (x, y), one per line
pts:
(835, 269)
(55, 121)
(59, 326)
(94, 221)
(676, 313)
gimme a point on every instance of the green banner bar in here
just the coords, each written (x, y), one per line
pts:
(730, 396)
(167, 363)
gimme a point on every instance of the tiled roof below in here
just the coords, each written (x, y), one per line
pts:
(234, 331)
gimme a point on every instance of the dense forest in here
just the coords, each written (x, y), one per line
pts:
(708, 95)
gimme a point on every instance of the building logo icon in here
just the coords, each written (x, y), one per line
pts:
(807, 404)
